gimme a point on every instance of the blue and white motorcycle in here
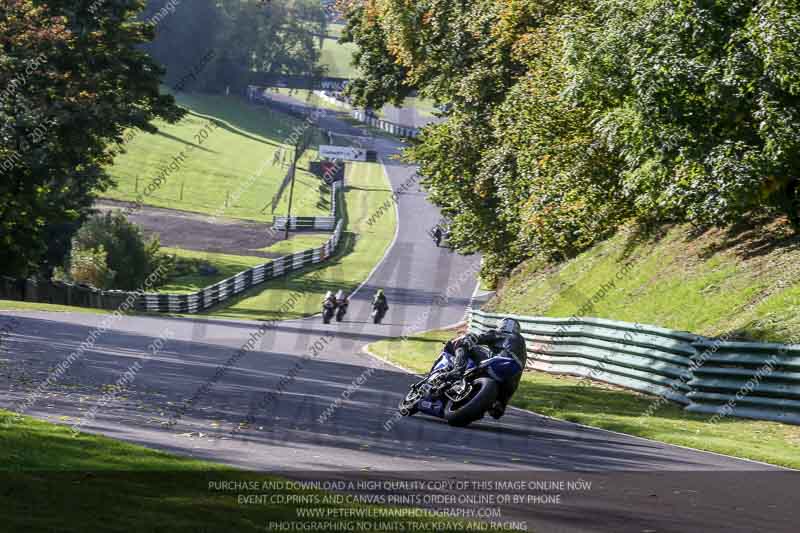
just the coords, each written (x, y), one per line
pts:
(465, 400)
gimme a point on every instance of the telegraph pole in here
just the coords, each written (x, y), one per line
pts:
(299, 148)
(293, 171)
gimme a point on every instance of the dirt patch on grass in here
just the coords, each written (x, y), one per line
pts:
(194, 231)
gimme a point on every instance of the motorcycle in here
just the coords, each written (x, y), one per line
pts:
(340, 312)
(377, 314)
(327, 312)
(466, 399)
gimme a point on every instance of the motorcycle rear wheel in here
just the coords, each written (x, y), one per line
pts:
(483, 395)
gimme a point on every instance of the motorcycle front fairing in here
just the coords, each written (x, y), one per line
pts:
(501, 368)
(435, 406)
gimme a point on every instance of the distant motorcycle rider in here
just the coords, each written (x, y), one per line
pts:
(330, 299)
(505, 341)
(341, 299)
(379, 306)
(342, 302)
(437, 235)
(380, 302)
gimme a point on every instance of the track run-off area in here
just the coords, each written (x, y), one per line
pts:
(306, 402)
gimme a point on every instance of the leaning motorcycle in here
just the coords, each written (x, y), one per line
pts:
(327, 311)
(467, 399)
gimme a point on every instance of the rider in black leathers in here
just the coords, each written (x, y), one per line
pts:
(507, 341)
(380, 302)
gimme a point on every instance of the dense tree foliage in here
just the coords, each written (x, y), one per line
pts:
(271, 37)
(568, 119)
(72, 80)
(110, 252)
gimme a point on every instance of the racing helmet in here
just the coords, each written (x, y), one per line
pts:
(329, 295)
(509, 325)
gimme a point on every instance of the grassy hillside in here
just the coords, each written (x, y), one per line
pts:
(229, 265)
(217, 165)
(335, 56)
(743, 279)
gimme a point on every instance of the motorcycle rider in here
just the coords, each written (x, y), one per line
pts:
(329, 302)
(342, 302)
(505, 341)
(379, 302)
(330, 298)
(437, 235)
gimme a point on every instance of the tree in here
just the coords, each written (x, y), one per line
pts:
(568, 119)
(75, 81)
(129, 258)
(89, 267)
(184, 37)
(245, 37)
(700, 99)
(467, 55)
(383, 79)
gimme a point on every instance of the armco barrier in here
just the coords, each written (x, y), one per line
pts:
(309, 223)
(394, 129)
(643, 358)
(219, 292)
(747, 379)
(326, 223)
(744, 379)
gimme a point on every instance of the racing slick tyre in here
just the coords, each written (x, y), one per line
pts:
(480, 399)
(408, 405)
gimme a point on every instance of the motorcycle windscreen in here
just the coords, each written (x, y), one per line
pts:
(502, 368)
(442, 363)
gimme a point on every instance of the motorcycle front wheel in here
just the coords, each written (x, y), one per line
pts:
(408, 405)
(481, 397)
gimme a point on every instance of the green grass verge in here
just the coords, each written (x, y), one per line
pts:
(226, 265)
(297, 243)
(598, 405)
(743, 280)
(337, 57)
(334, 30)
(424, 107)
(371, 130)
(54, 480)
(360, 249)
(218, 168)
(229, 265)
(311, 98)
(13, 305)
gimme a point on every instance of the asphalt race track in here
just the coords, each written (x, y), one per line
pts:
(285, 388)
